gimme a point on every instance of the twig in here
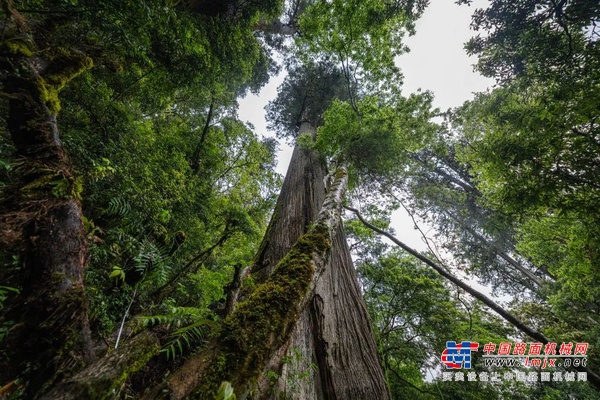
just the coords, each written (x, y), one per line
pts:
(125, 317)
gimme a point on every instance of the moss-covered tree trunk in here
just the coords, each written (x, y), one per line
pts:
(332, 353)
(305, 302)
(41, 221)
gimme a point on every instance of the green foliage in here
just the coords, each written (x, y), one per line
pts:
(6, 167)
(376, 135)
(304, 96)
(405, 299)
(536, 38)
(533, 146)
(530, 145)
(363, 36)
(162, 183)
(175, 189)
(117, 273)
(414, 313)
(188, 326)
(225, 392)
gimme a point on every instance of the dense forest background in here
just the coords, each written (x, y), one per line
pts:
(150, 250)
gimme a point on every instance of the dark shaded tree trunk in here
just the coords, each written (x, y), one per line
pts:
(42, 222)
(334, 332)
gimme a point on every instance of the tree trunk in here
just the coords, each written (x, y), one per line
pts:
(42, 222)
(332, 353)
(305, 298)
(262, 323)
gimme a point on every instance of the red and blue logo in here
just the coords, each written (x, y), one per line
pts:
(458, 355)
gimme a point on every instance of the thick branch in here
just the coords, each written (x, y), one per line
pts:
(276, 27)
(99, 379)
(197, 151)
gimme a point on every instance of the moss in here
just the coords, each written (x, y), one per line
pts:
(18, 47)
(340, 173)
(144, 354)
(262, 322)
(101, 379)
(248, 283)
(57, 183)
(65, 65)
(48, 95)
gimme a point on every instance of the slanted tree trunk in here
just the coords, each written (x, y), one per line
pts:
(592, 376)
(332, 353)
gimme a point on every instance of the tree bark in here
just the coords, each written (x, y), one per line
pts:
(42, 222)
(332, 353)
(100, 379)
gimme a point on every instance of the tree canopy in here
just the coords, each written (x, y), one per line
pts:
(140, 231)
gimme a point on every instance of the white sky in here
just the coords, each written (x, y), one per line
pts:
(437, 62)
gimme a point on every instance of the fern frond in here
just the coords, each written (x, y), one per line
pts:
(118, 206)
(188, 336)
(153, 259)
(191, 328)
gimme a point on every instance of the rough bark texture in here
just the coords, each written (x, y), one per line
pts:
(298, 205)
(42, 221)
(334, 335)
(261, 324)
(100, 379)
(334, 332)
(346, 350)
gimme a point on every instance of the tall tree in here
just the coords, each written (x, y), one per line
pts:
(140, 50)
(333, 331)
